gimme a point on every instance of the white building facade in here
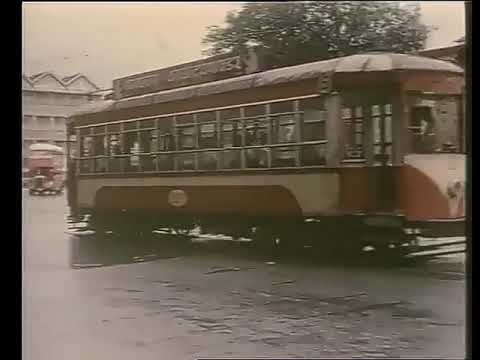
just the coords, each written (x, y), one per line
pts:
(47, 101)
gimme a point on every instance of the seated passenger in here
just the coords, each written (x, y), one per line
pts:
(257, 157)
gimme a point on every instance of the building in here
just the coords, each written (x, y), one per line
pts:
(47, 100)
(454, 52)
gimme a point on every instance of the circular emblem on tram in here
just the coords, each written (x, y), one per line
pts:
(177, 198)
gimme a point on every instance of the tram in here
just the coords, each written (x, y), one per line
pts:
(362, 150)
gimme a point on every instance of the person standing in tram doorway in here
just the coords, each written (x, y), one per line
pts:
(424, 123)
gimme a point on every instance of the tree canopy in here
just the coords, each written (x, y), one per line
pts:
(290, 33)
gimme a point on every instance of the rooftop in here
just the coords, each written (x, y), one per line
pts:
(49, 81)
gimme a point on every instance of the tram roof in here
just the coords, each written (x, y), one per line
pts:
(360, 63)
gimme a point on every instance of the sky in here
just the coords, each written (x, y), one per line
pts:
(109, 40)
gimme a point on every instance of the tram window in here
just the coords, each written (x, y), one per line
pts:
(154, 140)
(86, 166)
(134, 158)
(114, 149)
(100, 146)
(316, 103)
(353, 122)
(447, 124)
(99, 149)
(147, 162)
(184, 119)
(147, 145)
(113, 128)
(314, 155)
(165, 124)
(114, 144)
(231, 159)
(314, 120)
(208, 136)
(185, 161)
(130, 125)
(186, 138)
(227, 136)
(207, 160)
(281, 107)
(166, 142)
(256, 133)
(147, 124)
(205, 117)
(129, 140)
(253, 111)
(435, 126)
(283, 157)
(231, 134)
(388, 129)
(314, 131)
(423, 130)
(145, 141)
(346, 113)
(377, 130)
(283, 129)
(86, 146)
(311, 115)
(358, 112)
(230, 114)
(165, 162)
(286, 134)
(388, 109)
(99, 130)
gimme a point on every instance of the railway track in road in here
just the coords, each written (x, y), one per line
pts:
(432, 248)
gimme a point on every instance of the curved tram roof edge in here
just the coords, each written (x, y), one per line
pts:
(361, 63)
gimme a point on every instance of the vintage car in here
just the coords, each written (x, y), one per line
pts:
(45, 175)
(47, 181)
(45, 178)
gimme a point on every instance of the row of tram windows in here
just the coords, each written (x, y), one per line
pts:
(274, 135)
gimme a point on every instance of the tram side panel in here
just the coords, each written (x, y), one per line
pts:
(431, 193)
(286, 195)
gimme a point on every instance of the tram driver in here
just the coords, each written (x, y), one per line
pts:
(423, 126)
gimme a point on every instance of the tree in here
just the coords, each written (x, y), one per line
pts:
(290, 33)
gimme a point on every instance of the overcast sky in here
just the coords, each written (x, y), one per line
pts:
(110, 40)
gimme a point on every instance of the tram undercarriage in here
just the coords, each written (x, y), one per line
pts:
(346, 237)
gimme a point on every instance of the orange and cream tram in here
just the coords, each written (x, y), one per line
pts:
(344, 153)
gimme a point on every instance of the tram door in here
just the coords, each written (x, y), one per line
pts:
(381, 118)
(381, 157)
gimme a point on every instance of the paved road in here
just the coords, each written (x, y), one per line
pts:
(188, 302)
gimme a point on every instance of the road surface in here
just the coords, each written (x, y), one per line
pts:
(117, 299)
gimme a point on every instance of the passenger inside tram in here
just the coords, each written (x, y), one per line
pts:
(256, 157)
(423, 130)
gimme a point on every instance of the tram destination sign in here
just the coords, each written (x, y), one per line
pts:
(196, 72)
